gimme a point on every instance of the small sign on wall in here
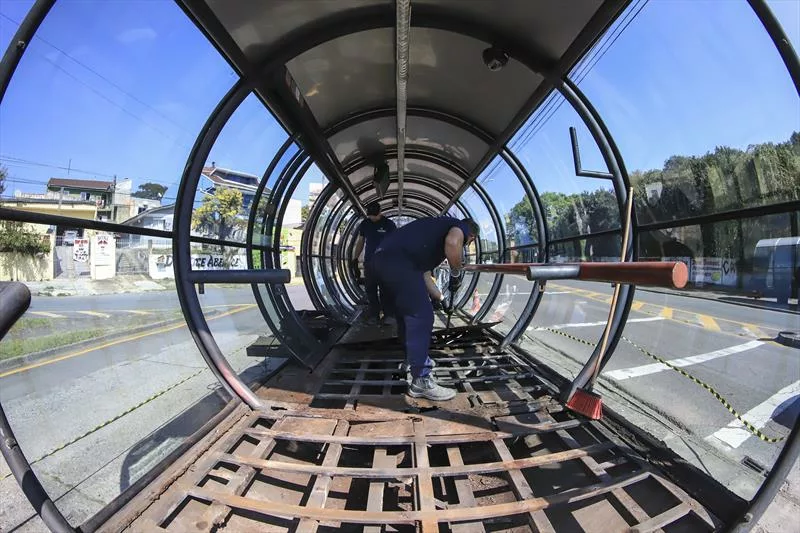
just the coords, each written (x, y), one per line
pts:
(80, 251)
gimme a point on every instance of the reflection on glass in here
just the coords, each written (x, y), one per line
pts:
(100, 378)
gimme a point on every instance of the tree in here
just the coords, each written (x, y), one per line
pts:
(218, 215)
(151, 191)
(304, 213)
(14, 237)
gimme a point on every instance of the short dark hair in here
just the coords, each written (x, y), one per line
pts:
(474, 228)
(374, 209)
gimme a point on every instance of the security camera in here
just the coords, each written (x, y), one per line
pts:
(494, 58)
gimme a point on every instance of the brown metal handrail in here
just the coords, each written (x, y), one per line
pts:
(672, 274)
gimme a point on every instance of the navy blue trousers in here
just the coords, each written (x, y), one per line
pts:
(371, 286)
(404, 294)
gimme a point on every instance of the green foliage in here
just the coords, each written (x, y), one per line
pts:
(304, 213)
(152, 191)
(218, 214)
(14, 237)
(726, 179)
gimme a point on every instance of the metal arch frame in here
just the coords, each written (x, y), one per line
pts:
(373, 17)
(616, 165)
(537, 292)
(791, 450)
(190, 304)
(266, 259)
(273, 222)
(338, 212)
(320, 203)
(15, 458)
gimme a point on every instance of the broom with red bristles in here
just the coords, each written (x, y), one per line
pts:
(584, 401)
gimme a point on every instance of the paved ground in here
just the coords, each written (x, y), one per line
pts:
(65, 413)
(727, 346)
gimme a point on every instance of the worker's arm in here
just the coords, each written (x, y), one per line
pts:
(359, 247)
(433, 290)
(454, 248)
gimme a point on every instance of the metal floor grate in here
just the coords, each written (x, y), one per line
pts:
(502, 456)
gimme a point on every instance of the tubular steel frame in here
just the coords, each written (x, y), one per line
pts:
(305, 39)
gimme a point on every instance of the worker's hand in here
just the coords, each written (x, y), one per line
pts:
(437, 304)
(355, 269)
(456, 277)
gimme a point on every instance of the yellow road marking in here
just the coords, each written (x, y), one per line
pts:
(704, 321)
(48, 315)
(95, 313)
(164, 329)
(709, 322)
(755, 330)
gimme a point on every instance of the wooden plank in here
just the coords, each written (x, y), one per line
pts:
(481, 379)
(600, 473)
(424, 482)
(374, 473)
(380, 459)
(437, 370)
(217, 514)
(664, 519)
(322, 484)
(271, 508)
(537, 519)
(465, 496)
(522, 429)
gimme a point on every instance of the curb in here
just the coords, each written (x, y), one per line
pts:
(28, 359)
(742, 304)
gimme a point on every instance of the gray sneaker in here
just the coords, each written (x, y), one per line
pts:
(426, 387)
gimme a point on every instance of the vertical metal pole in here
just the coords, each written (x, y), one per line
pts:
(615, 164)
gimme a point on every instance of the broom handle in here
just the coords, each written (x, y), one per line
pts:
(615, 297)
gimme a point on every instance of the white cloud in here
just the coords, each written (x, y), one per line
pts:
(134, 35)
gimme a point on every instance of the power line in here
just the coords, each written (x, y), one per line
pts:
(18, 161)
(99, 75)
(580, 72)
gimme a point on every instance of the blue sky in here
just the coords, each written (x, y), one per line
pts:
(136, 83)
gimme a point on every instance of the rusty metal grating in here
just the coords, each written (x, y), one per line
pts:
(514, 461)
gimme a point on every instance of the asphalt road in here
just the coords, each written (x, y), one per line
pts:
(729, 347)
(162, 375)
(94, 419)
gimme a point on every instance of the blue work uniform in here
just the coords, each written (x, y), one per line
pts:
(373, 233)
(400, 261)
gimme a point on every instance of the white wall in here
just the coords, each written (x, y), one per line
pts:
(292, 215)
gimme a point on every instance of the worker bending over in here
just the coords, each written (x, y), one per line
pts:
(371, 231)
(400, 263)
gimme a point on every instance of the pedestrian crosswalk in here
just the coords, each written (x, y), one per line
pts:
(644, 370)
(735, 434)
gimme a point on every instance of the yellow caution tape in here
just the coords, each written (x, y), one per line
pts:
(754, 430)
(111, 420)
